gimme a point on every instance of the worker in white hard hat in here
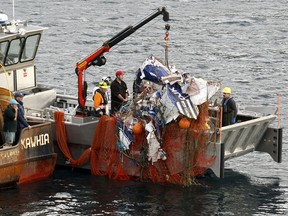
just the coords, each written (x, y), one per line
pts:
(229, 108)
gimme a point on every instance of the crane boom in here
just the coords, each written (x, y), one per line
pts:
(97, 58)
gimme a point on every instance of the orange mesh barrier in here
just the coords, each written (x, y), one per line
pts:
(104, 148)
(186, 152)
(62, 142)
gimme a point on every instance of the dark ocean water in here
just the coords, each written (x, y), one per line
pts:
(242, 43)
(69, 193)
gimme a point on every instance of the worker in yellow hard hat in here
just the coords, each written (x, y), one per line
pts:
(229, 108)
(100, 100)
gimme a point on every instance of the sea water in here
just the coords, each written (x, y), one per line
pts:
(242, 43)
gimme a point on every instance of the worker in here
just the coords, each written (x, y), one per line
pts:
(229, 108)
(119, 92)
(21, 120)
(103, 79)
(10, 122)
(100, 100)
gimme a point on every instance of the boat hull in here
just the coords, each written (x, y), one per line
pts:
(11, 165)
(38, 168)
(33, 157)
(79, 137)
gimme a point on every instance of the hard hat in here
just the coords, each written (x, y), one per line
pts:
(107, 79)
(119, 72)
(18, 94)
(103, 85)
(13, 101)
(227, 90)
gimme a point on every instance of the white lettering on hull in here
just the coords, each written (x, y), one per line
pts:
(32, 142)
(13, 155)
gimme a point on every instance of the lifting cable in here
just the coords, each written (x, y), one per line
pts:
(167, 27)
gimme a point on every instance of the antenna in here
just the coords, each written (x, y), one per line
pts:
(13, 10)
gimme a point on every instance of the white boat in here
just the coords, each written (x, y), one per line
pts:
(87, 142)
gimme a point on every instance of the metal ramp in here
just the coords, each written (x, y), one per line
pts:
(241, 138)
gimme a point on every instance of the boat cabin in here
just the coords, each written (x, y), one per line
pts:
(18, 48)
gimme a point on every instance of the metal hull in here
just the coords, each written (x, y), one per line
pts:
(245, 137)
(33, 158)
(38, 168)
(79, 138)
(11, 165)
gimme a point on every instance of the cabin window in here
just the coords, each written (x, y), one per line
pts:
(14, 51)
(30, 48)
(3, 50)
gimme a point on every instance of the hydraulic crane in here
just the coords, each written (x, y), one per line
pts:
(97, 57)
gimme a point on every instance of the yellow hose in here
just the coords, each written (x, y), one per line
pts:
(6, 80)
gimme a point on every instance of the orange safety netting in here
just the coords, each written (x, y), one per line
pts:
(62, 142)
(186, 151)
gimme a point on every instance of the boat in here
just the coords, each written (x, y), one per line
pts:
(33, 157)
(170, 135)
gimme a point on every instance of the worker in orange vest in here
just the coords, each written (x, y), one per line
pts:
(100, 100)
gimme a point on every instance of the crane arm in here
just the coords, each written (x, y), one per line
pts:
(97, 57)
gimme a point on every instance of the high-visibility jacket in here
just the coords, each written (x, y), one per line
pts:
(100, 101)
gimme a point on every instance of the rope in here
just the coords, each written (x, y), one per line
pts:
(279, 110)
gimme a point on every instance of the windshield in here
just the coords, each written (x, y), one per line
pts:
(19, 50)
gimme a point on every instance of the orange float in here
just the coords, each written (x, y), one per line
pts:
(137, 128)
(184, 123)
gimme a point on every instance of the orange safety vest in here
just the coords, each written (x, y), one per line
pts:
(99, 99)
